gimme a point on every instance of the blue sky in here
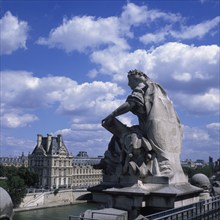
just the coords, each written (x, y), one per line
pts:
(64, 68)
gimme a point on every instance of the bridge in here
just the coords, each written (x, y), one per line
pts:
(204, 210)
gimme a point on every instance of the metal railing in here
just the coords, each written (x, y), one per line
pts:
(96, 213)
(204, 210)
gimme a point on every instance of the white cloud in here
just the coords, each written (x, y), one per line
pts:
(182, 76)
(14, 33)
(188, 72)
(201, 142)
(94, 141)
(108, 59)
(196, 31)
(82, 33)
(214, 132)
(204, 103)
(214, 126)
(14, 120)
(133, 15)
(154, 38)
(170, 31)
(195, 134)
(166, 61)
(14, 146)
(85, 102)
(87, 32)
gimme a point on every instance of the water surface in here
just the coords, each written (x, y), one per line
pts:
(55, 213)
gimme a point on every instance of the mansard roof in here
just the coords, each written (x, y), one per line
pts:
(50, 146)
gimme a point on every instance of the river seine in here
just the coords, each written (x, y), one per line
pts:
(55, 213)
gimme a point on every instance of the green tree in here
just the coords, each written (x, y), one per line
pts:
(4, 185)
(18, 179)
(30, 178)
(2, 171)
(16, 189)
(207, 170)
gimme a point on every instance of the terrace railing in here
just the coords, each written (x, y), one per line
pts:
(204, 210)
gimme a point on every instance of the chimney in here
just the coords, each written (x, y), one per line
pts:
(49, 140)
(59, 137)
(39, 140)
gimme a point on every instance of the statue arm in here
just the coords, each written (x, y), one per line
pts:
(122, 109)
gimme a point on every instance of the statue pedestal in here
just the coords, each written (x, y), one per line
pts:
(154, 194)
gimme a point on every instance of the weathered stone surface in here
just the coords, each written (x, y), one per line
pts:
(151, 148)
(142, 169)
(6, 205)
(106, 214)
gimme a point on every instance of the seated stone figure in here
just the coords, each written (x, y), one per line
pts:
(153, 146)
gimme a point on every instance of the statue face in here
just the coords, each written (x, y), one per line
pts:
(133, 81)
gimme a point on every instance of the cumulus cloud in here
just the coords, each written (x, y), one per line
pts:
(214, 131)
(14, 145)
(154, 37)
(94, 141)
(189, 72)
(165, 62)
(195, 134)
(214, 126)
(14, 120)
(204, 103)
(201, 142)
(88, 32)
(108, 59)
(196, 31)
(14, 33)
(85, 101)
(135, 15)
(82, 33)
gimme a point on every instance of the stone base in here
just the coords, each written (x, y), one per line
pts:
(155, 194)
(106, 214)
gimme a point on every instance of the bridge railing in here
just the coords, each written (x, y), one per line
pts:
(204, 210)
(95, 213)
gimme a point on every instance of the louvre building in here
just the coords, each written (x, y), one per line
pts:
(57, 168)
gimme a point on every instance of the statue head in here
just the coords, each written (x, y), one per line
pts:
(135, 77)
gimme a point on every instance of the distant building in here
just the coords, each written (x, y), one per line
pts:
(82, 158)
(51, 160)
(200, 163)
(217, 168)
(56, 167)
(188, 163)
(211, 163)
(14, 161)
(84, 175)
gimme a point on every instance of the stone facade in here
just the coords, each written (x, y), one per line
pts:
(56, 168)
(52, 162)
(84, 175)
(14, 161)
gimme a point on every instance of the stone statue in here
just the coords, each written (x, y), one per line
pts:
(151, 148)
(6, 205)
